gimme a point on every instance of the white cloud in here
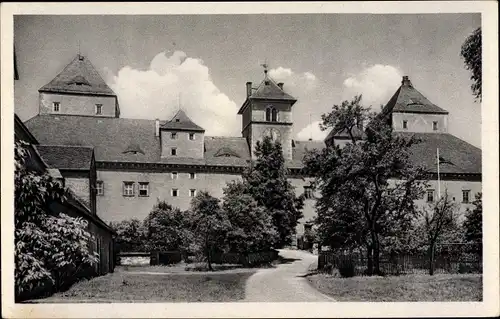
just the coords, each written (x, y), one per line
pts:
(377, 83)
(298, 84)
(170, 81)
(312, 131)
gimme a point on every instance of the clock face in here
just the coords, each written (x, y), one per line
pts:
(273, 133)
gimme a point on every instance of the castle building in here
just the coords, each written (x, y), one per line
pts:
(141, 161)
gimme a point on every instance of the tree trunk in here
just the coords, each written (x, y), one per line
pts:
(209, 259)
(431, 259)
(376, 258)
(369, 259)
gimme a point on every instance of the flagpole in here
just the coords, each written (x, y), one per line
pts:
(439, 182)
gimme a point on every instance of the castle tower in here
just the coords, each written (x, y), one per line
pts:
(78, 90)
(267, 110)
(181, 138)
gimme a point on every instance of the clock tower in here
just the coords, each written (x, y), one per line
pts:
(267, 110)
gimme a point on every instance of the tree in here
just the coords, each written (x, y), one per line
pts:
(130, 235)
(48, 248)
(473, 224)
(471, 53)
(368, 187)
(268, 184)
(251, 226)
(211, 225)
(439, 218)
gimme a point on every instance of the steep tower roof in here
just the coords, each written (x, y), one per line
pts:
(407, 99)
(181, 122)
(79, 76)
(270, 90)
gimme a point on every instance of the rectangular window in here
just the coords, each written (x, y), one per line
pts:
(99, 188)
(308, 194)
(192, 175)
(56, 106)
(434, 126)
(98, 109)
(192, 192)
(144, 189)
(430, 195)
(174, 175)
(191, 136)
(466, 196)
(128, 189)
(173, 151)
(175, 192)
(173, 135)
(405, 124)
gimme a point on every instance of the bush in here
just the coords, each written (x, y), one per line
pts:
(346, 269)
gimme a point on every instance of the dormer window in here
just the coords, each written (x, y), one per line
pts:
(56, 106)
(177, 120)
(98, 109)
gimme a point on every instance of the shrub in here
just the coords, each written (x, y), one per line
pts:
(346, 269)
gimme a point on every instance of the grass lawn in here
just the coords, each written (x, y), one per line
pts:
(130, 287)
(401, 288)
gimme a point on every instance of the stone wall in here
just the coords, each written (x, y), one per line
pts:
(74, 104)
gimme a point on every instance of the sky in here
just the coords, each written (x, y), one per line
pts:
(156, 64)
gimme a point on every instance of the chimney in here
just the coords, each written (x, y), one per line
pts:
(157, 127)
(406, 81)
(280, 85)
(249, 89)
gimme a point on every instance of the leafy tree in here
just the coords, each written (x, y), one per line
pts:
(48, 248)
(439, 218)
(368, 187)
(251, 226)
(473, 224)
(471, 53)
(167, 228)
(130, 235)
(210, 225)
(268, 184)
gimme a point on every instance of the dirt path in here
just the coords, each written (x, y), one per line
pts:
(285, 282)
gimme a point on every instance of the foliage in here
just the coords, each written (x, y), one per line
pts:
(210, 225)
(48, 249)
(251, 226)
(473, 224)
(368, 187)
(471, 53)
(130, 235)
(267, 183)
(167, 228)
(439, 218)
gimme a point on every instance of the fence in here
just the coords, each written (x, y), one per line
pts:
(449, 258)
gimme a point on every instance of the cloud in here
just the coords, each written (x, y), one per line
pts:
(175, 80)
(377, 83)
(298, 84)
(312, 131)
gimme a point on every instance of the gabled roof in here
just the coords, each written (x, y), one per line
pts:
(459, 156)
(181, 122)
(407, 99)
(66, 157)
(80, 77)
(356, 132)
(269, 90)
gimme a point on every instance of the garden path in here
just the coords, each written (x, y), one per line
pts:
(286, 282)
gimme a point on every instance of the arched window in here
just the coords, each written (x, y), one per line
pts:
(268, 113)
(274, 115)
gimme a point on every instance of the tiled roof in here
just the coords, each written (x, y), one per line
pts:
(269, 90)
(407, 99)
(79, 76)
(66, 157)
(181, 121)
(459, 156)
(343, 134)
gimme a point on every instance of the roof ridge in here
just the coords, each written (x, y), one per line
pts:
(62, 145)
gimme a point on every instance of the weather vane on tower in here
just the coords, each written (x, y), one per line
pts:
(265, 66)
